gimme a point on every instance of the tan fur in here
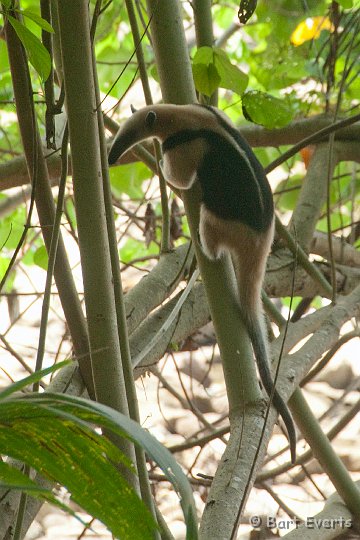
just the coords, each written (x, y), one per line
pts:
(180, 164)
(169, 120)
(249, 250)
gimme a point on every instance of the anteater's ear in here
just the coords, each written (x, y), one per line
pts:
(150, 119)
(133, 110)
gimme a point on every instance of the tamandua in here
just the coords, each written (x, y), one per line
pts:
(237, 213)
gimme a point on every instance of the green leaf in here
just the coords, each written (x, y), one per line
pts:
(154, 73)
(205, 74)
(11, 228)
(41, 258)
(291, 187)
(12, 478)
(70, 213)
(6, 3)
(136, 249)
(346, 4)
(266, 110)
(9, 284)
(279, 66)
(110, 419)
(4, 263)
(37, 53)
(35, 377)
(55, 434)
(67, 450)
(204, 55)
(337, 221)
(128, 179)
(15, 478)
(37, 19)
(295, 301)
(206, 78)
(212, 69)
(232, 78)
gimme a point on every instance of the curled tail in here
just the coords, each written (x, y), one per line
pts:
(250, 272)
(256, 334)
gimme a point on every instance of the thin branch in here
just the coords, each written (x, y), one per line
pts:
(52, 257)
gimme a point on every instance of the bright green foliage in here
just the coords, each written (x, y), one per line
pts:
(52, 443)
(127, 179)
(53, 432)
(232, 78)
(37, 53)
(37, 19)
(346, 4)
(4, 263)
(41, 257)
(136, 249)
(206, 78)
(278, 67)
(266, 110)
(70, 212)
(212, 69)
(11, 478)
(289, 192)
(11, 228)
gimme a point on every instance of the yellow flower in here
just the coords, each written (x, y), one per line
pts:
(310, 28)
